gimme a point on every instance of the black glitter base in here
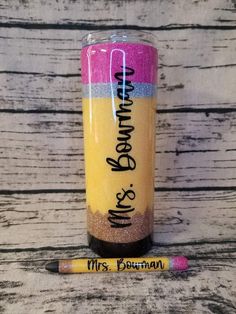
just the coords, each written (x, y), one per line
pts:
(109, 249)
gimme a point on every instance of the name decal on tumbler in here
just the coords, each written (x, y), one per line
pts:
(125, 161)
(119, 217)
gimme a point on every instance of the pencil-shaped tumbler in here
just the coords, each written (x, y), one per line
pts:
(119, 70)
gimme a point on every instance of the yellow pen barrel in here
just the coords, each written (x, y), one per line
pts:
(114, 265)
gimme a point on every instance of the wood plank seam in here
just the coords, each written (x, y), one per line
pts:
(90, 26)
(207, 111)
(157, 189)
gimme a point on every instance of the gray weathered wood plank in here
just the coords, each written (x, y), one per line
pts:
(45, 151)
(208, 287)
(204, 252)
(157, 13)
(42, 196)
(53, 219)
(197, 69)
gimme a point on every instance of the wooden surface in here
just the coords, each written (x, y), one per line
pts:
(42, 191)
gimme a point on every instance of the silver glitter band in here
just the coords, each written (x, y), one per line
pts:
(106, 90)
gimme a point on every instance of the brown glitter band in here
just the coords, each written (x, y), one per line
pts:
(65, 266)
(100, 227)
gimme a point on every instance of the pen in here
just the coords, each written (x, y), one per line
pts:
(93, 265)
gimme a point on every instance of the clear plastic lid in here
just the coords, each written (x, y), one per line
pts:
(119, 35)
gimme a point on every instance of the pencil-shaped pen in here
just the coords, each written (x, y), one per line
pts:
(93, 265)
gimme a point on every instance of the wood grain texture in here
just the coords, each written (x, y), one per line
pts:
(103, 14)
(42, 190)
(133, 293)
(197, 69)
(208, 287)
(59, 219)
(45, 151)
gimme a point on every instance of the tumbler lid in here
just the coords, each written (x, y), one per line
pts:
(119, 35)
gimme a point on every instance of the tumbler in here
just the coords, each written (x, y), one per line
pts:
(119, 77)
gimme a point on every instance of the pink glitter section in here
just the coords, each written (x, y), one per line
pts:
(99, 58)
(179, 263)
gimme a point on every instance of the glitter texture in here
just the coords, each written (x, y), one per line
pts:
(100, 62)
(65, 266)
(127, 73)
(99, 227)
(178, 263)
(105, 90)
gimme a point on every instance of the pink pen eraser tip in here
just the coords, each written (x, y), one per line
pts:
(179, 263)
